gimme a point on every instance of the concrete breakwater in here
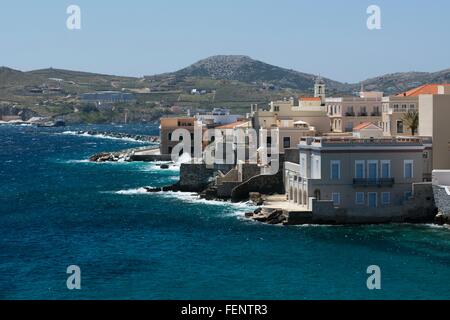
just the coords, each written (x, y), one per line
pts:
(144, 154)
(118, 135)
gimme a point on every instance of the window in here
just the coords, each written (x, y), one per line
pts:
(316, 171)
(363, 111)
(359, 169)
(169, 136)
(376, 110)
(399, 126)
(335, 173)
(286, 142)
(408, 169)
(303, 165)
(336, 197)
(385, 198)
(359, 198)
(277, 108)
(408, 195)
(349, 127)
(385, 169)
(269, 141)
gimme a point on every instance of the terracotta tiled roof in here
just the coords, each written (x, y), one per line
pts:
(362, 125)
(309, 99)
(425, 89)
(231, 125)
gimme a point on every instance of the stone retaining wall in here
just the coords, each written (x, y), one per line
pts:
(195, 177)
(264, 184)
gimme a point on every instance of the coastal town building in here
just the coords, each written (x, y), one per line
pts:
(355, 173)
(397, 106)
(345, 113)
(394, 110)
(218, 116)
(169, 125)
(108, 97)
(292, 120)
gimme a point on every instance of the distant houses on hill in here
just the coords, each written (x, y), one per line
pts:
(108, 97)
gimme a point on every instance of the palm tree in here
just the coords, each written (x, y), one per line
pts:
(411, 119)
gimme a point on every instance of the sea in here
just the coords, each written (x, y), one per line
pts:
(58, 210)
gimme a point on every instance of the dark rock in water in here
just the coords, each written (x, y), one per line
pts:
(269, 216)
(102, 157)
(441, 219)
(209, 193)
(152, 189)
(164, 166)
(256, 198)
(258, 210)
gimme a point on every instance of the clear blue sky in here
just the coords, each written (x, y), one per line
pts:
(137, 38)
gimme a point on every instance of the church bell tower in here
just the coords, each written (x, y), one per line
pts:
(319, 89)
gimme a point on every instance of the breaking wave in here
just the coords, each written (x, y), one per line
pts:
(105, 136)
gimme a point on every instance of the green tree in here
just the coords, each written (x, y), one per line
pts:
(411, 120)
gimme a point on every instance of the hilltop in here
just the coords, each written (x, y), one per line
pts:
(247, 70)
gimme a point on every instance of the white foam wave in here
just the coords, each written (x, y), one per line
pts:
(104, 136)
(133, 191)
(195, 198)
(78, 161)
(436, 226)
(188, 197)
(156, 167)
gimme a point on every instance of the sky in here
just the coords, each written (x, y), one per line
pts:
(145, 37)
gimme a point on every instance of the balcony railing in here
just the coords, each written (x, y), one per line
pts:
(373, 182)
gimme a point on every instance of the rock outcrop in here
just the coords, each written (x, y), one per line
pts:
(269, 216)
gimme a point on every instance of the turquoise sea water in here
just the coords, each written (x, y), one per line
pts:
(57, 210)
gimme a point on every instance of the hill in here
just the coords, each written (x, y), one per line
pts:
(399, 82)
(247, 70)
(232, 81)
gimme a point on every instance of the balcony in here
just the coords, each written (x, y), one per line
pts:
(373, 182)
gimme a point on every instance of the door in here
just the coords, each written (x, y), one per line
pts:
(373, 170)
